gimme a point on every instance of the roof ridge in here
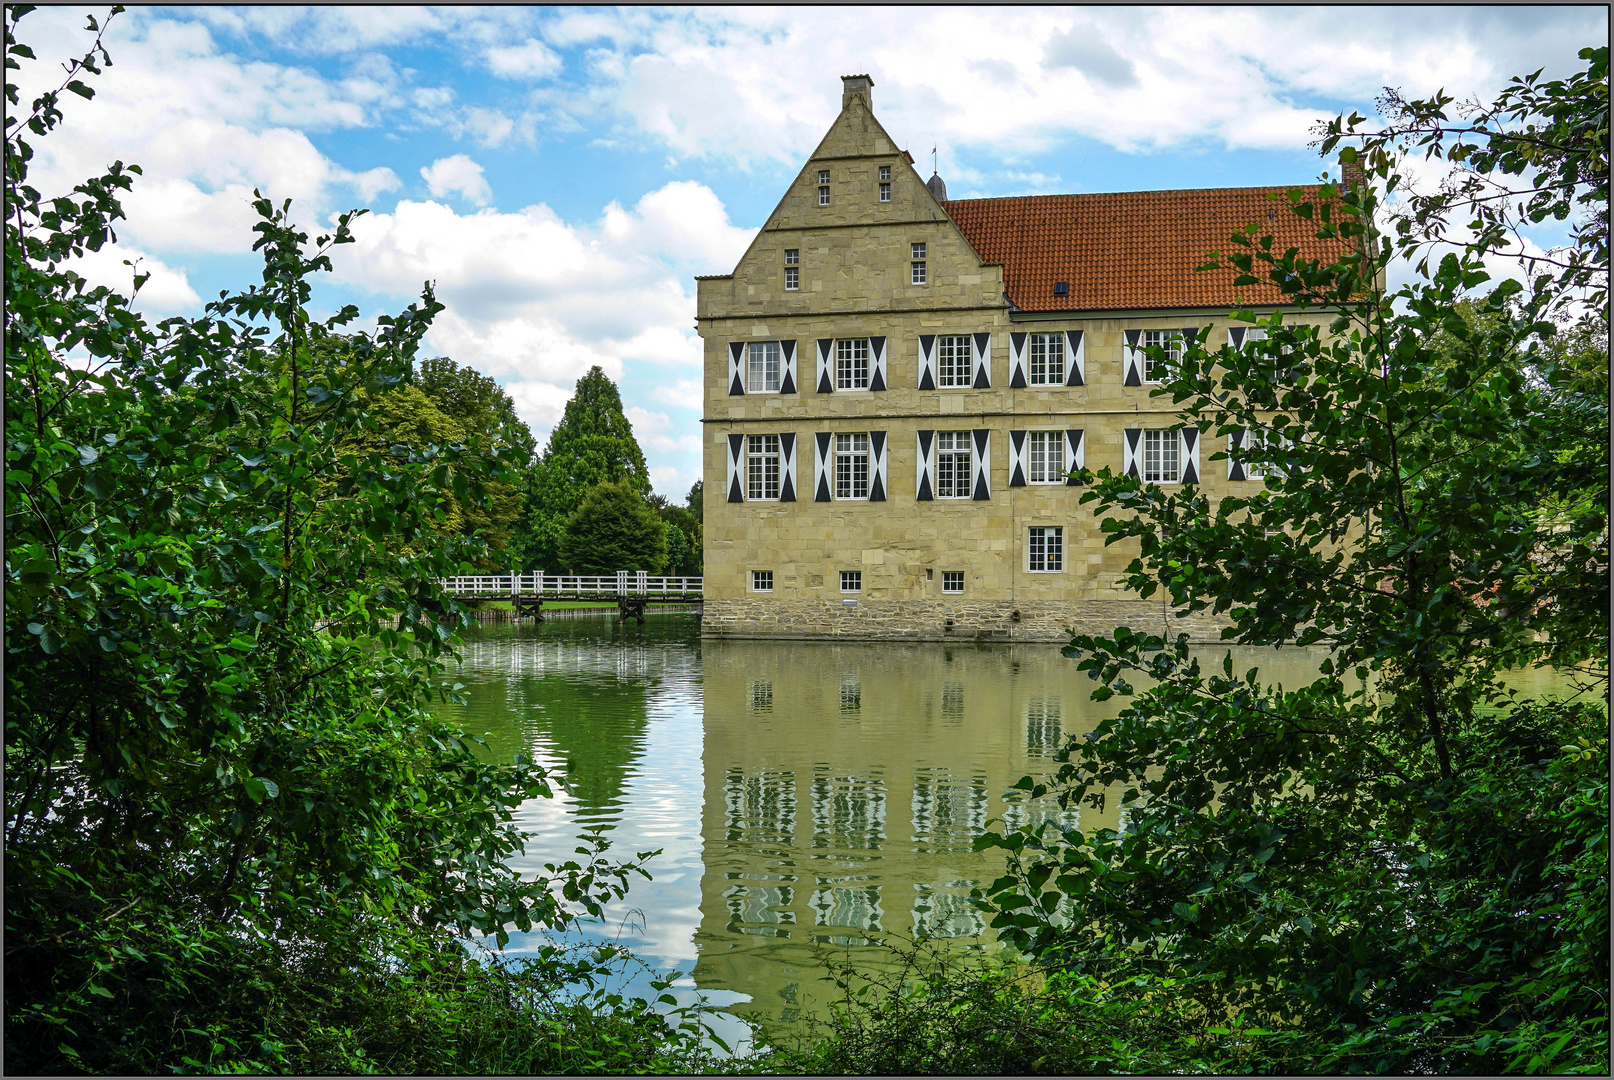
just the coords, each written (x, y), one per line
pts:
(1134, 191)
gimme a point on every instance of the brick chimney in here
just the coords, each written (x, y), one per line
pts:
(857, 84)
(1350, 175)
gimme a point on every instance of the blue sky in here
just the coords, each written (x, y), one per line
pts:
(563, 174)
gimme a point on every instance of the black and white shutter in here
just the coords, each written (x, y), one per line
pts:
(1017, 458)
(927, 361)
(736, 468)
(826, 365)
(982, 487)
(821, 465)
(1017, 361)
(925, 468)
(1239, 336)
(1132, 452)
(1188, 451)
(736, 367)
(877, 379)
(1075, 454)
(787, 467)
(1235, 442)
(879, 479)
(1075, 358)
(787, 367)
(981, 360)
(1132, 358)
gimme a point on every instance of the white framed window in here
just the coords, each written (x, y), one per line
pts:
(852, 363)
(1045, 549)
(851, 581)
(823, 187)
(1045, 457)
(1261, 440)
(916, 252)
(852, 465)
(823, 176)
(761, 467)
(1162, 464)
(953, 360)
(1047, 359)
(792, 278)
(792, 256)
(762, 366)
(953, 460)
(885, 192)
(885, 172)
(1168, 340)
(762, 581)
(952, 581)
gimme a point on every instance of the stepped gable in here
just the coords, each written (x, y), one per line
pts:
(1129, 250)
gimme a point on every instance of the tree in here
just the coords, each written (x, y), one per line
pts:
(479, 404)
(614, 529)
(592, 444)
(693, 499)
(1393, 868)
(232, 824)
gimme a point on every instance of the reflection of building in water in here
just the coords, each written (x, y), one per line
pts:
(846, 809)
(1043, 734)
(827, 826)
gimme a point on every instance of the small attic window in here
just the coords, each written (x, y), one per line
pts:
(1061, 288)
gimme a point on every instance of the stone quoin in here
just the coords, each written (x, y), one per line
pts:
(897, 385)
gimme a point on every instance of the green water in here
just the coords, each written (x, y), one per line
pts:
(808, 798)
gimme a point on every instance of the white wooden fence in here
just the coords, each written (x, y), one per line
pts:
(603, 586)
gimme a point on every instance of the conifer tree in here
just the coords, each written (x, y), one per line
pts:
(593, 444)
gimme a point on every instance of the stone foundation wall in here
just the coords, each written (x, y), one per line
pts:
(959, 620)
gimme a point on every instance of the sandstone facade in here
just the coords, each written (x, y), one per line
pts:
(854, 262)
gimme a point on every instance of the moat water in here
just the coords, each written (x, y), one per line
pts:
(809, 800)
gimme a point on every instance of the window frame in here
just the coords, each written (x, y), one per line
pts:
(1171, 341)
(757, 457)
(965, 358)
(1037, 545)
(1167, 439)
(965, 481)
(856, 579)
(885, 172)
(918, 254)
(885, 191)
(1044, 341)
(757, 581)
(792, 279)
(1053, 441)
(823, 187)
(951, 578)
(779, 367)
(868, 365)
(852, 456)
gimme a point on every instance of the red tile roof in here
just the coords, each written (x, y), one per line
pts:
(1130, 249)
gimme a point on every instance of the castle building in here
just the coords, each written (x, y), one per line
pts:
(897, 386)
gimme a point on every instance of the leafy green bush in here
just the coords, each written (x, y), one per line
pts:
(236, 838)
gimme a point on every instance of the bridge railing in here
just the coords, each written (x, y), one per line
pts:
(622, 583)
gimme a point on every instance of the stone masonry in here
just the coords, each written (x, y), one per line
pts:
(855, 265)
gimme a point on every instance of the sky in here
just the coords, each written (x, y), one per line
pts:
(562, 174)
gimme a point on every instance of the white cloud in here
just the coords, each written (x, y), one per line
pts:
(534, 299)
(529, 60)
(751, 85)
(167, 290)
(457, 175)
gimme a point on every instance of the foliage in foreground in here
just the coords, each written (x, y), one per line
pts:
(236, 838)
(1401, 866)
